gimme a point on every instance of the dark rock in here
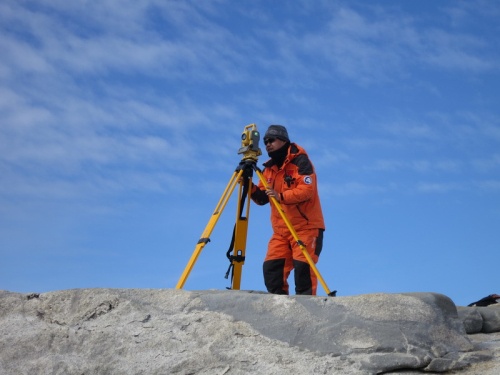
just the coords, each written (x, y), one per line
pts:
(471, 318)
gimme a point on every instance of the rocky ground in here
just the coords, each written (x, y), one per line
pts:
(481, 342)
(485, 341)
(117, 331)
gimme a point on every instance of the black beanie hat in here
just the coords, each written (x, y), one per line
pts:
(277, 131)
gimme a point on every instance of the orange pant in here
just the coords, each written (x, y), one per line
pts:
(284, 255)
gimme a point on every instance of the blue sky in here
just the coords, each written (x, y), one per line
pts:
(120, 123)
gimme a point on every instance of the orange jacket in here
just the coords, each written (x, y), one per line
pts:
(297, 185)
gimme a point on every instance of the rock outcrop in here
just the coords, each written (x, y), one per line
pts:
(480, 319)
(131, 331)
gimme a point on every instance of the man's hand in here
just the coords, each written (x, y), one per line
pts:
(273, 193)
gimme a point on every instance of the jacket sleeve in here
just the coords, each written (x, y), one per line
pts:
(259, 195)
(304, 182)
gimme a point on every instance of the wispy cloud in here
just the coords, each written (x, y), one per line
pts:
(489, 186)
(476, 187)
(382, 44)
(115, 87)
(120, 122)
(421, 166)
(352, 188)
(490, 164)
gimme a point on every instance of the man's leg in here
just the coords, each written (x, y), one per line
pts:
(306, 281)
(277, 265)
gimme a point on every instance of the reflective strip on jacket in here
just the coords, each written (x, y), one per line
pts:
(298, 188)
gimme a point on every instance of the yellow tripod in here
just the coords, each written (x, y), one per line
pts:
(242, 176)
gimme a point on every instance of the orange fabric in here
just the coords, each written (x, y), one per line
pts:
(285, 247)
(300, 199)
(296, 184)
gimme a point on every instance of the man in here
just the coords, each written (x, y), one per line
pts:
(291, 179)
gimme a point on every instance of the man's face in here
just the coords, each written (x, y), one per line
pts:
(273, 144)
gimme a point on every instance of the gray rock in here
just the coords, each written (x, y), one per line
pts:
(484, 319)
(115, 331)
(471, 318)
(491, 318)
(485, 345)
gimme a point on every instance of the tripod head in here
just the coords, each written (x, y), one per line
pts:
(250, 143)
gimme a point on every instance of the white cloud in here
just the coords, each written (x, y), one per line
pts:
(103, 85)
(438, 187)
(351, 188)
(492, 186)
(486, 165)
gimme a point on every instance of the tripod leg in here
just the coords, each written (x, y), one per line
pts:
(296, 237)
(205, 237)
(240, 237)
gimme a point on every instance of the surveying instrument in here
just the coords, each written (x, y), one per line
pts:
(242, 176)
